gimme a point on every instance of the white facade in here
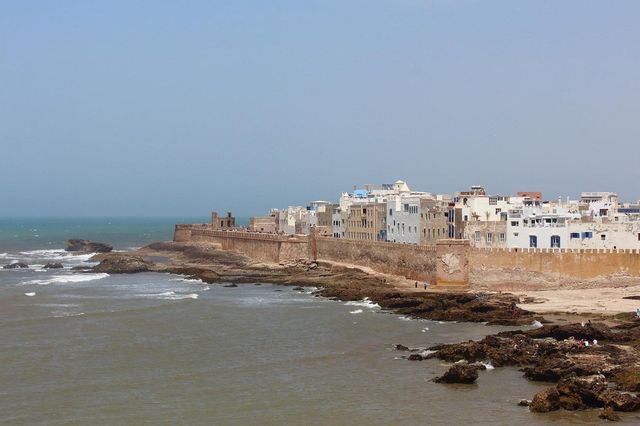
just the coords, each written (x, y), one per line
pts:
(403, 219)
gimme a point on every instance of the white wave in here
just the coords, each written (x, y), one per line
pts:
(167, 293)
(33, 293)
(424, 330)
(186, 280)
(206, 288)
(4, 255)
(488, 365)
(357, 311)
(364, 302)
(60, 314)
(426, 353)
(536, 324)
(180, 296)
(67, 278)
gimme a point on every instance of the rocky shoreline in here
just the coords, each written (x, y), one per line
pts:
(603, 375)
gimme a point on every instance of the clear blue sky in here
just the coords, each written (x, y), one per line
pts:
(175, 108)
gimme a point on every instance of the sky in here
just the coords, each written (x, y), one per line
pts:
(134, 108)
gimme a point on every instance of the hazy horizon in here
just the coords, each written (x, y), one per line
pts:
(166, 109)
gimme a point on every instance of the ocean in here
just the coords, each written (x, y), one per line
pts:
(89, 348)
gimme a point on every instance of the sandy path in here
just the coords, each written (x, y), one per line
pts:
(606, 300)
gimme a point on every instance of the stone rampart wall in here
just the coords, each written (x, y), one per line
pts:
(412, 261)
(552, 266)
(259, 246)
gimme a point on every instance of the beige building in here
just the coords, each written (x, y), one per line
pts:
(433, 222)
(487, 234)
(223, 222)
(264, 223)
(367, 222)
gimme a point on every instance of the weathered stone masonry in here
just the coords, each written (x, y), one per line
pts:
(450, 264)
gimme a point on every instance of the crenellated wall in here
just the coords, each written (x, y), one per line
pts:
(450, 264)
(551, 266)
(258, 246)
(411, 261)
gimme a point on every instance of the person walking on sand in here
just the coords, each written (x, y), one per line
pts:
(416, 284)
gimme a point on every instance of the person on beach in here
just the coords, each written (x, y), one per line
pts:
(425, 287)
(416, 284)
(514, 309)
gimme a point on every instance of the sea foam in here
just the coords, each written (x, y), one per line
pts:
(67, 278)
(364, 302)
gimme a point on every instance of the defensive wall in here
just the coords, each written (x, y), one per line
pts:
(411, 261)
(414, 262)
(449, 264)
(540, 267)
(258, 246)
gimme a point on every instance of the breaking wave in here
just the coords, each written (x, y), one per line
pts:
(357, 311)
(364, 302)
(170, 295)
(67, 278)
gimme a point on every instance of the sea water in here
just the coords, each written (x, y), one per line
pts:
(89, 348)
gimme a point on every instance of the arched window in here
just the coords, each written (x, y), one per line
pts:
(533, 241)
(555, 241)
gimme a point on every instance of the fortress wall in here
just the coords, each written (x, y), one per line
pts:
(451, 263)
(411, 261)
(557, 266)
(261, 247)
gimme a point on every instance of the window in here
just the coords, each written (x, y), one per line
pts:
(390, 212)
(587, 235)
(489, 238)
(515, 223)
(533, 241)
(502, 237)
(555, 241)
(575, 235)
(477, 236)
(603, 237)
(638, 236)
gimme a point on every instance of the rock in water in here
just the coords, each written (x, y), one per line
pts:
(53, 265)
(122, 264)
(459, 373)
(545, 401)
(609, 414)
(86, 246)
(16, 265)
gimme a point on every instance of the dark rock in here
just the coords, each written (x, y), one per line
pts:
(86, 246)
(415, 357)
(400, 347)
(608, 414)
(619, 401)
(459, 373)
(298, 288)
(577, 331)
(231, 285)
(628, 379)
(54, 265)
(524, 403)
(122, 264)
(82, 268)
(545, 401)
(16, 265)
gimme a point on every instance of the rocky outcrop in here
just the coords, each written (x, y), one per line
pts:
(16, 265)
(607, 413)
(54, 265)
(459, 373)
(86, 246)
(603, 375)
(122, 264)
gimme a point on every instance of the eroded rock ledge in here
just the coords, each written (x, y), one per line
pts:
(605, 375)
(212, 265)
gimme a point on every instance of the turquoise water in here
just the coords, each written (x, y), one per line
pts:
(47, 233)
